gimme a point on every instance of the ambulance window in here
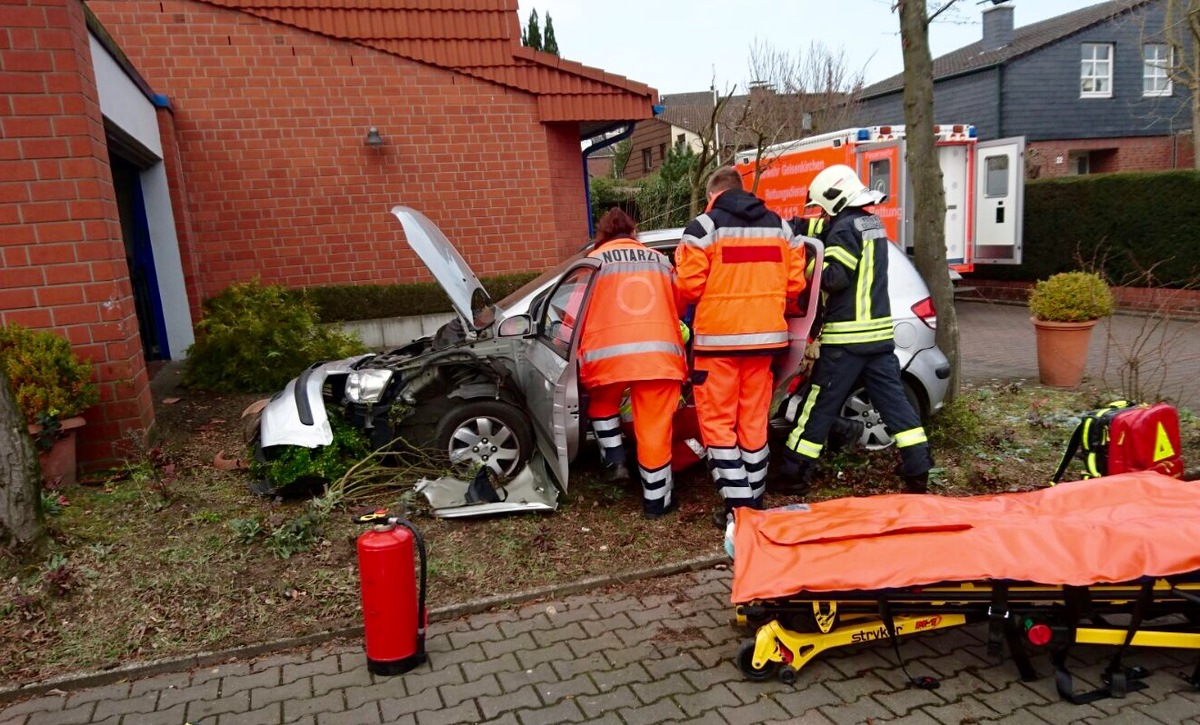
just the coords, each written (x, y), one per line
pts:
(880, 175)
(997, 176)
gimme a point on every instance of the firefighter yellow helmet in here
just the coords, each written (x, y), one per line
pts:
(837, 187)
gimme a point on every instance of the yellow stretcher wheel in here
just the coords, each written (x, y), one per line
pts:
(745, 663)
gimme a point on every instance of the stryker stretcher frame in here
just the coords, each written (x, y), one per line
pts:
(791, 633)
(814, 579)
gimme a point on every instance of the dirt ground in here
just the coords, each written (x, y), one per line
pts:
(161, 557)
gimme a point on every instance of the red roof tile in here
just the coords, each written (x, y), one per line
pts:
(476, 37)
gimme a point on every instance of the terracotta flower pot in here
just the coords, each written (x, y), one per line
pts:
(58, 463)
(1062, 349)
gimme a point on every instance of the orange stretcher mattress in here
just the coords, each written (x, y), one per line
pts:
(1099, 531)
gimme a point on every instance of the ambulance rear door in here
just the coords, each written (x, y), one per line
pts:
(954, 158)
(881, 167)
(999, 198)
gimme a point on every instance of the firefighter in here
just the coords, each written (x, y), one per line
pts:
(631, 340)
(741, 267)
(856, 336)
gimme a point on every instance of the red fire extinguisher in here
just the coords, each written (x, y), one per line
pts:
(394, 616)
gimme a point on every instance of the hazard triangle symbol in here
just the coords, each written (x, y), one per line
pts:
(1162, 445)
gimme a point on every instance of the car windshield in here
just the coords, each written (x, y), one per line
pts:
(526, 289)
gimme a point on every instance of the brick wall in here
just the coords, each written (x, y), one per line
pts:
(270, 123)
(1145, 153)
(651, 135)
(600, 166)
(63, 256)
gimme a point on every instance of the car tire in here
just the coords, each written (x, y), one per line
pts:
(875, 435)
(488, 432)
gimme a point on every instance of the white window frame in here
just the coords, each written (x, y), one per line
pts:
(1157, 69)
(1090, 59)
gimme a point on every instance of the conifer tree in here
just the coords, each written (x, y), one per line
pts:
(549, 42)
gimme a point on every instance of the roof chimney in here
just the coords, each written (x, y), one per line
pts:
(997, 26)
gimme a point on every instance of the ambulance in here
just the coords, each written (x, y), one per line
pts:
(984, 182)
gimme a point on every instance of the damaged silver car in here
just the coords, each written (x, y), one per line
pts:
(493, 389)
(496, 390)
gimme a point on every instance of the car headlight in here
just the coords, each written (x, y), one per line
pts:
(367, 386)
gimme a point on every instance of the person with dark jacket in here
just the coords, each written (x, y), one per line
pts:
(856, 335)
(739, 266)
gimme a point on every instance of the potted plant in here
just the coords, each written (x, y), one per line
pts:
(1064, 309)
(52, 387)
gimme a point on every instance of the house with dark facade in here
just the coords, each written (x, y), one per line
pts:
(1090, 90)
(155, 151)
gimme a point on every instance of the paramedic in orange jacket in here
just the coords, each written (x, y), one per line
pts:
(631, 339)
(740, 266)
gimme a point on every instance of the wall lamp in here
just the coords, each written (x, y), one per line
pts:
(373, 139)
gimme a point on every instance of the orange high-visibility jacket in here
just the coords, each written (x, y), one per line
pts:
(630, 331)
(739, 264)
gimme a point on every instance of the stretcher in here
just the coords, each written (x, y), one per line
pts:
(1111, 561)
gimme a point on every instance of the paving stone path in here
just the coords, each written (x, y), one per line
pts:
(624, 657)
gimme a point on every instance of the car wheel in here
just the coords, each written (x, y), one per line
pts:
(488, 433)
(858, 406)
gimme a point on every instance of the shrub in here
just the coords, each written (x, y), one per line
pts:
(294, 469)
(50, 382)
(255, 338)
(343, 303)
(1071, 297)
(1117, 218)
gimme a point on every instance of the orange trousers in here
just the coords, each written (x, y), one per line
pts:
(733, 400)
(654, 403)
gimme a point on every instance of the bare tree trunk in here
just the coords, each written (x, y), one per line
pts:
(1192, 77)
(1195, 91)
(929, 196)
(20, 477)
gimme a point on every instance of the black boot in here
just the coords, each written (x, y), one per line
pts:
(616, 473)
(845, 434)
(917, 484)
(795, 477)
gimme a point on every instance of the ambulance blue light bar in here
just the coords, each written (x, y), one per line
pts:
(864, 134)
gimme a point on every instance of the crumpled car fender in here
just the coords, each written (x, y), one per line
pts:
(296, 415)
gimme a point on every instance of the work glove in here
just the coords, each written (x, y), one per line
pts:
(812, 352)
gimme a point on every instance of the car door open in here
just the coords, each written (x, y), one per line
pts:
(552, 376)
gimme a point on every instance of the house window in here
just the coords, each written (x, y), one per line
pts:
(681, 141)
(647, 160)
(1156, 64)
(1096, 71)
(662, 152)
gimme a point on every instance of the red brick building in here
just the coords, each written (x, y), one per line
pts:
(258, 164)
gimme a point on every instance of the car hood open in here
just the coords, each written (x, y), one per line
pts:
(445, 263)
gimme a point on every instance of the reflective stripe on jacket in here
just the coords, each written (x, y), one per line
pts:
(739, 264)
(630, 330)
(858, 311)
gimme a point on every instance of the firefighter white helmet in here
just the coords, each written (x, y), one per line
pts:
(837, 187)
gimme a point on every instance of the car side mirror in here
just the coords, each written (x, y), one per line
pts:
(516, 326)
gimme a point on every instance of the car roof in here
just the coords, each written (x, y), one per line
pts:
(658, 236)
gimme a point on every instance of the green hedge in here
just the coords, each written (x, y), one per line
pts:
(342, 303)
(1126, 223)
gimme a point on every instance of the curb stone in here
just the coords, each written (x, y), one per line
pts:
(134, 670)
